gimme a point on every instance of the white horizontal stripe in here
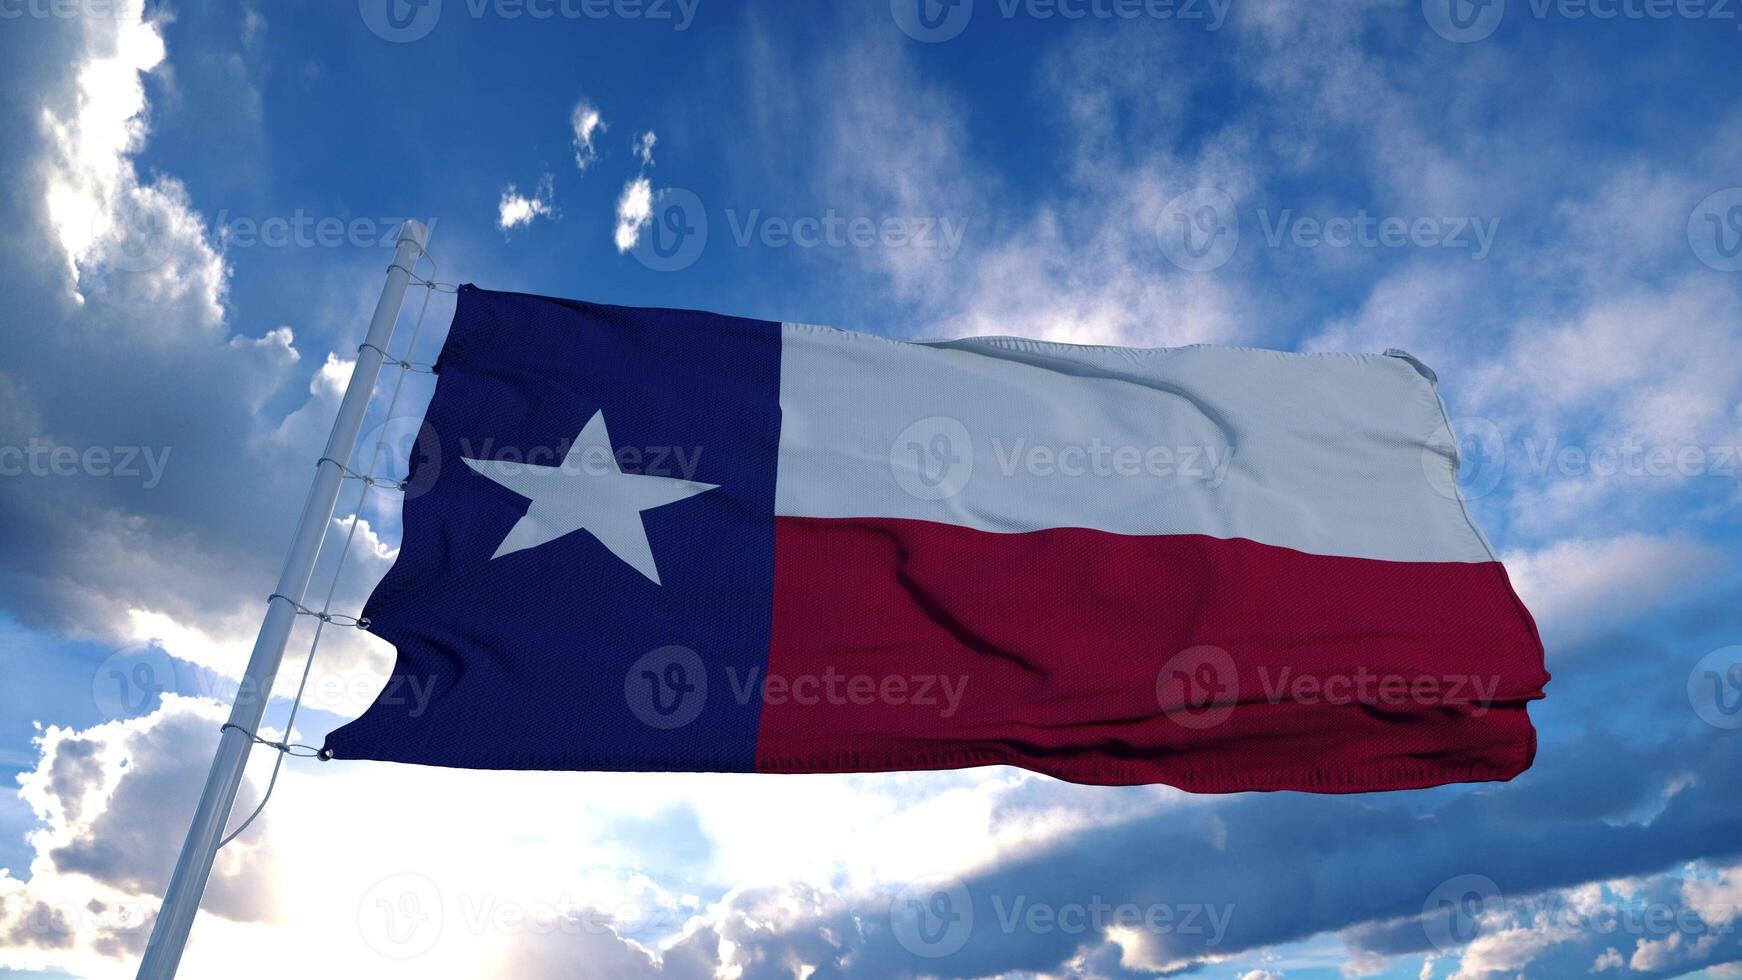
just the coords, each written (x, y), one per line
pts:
(1332, 454)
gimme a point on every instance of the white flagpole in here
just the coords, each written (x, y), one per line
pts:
(182, 900)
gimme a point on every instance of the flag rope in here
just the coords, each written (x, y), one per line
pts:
(389, 358)
(369, 479)
(325, 614)
(341, 619)
(288, 748)
(430, 284)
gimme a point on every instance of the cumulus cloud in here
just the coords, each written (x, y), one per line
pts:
(635, 203)
(112, 802)
(1076, 260)
(116, 233)
(634, 211)
(585, 123)
(643, 147)
(516, 210)
(129, 346)
(1578, 586)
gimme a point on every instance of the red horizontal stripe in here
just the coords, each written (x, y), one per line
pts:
(1209, 664)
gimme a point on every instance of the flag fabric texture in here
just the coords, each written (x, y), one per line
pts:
(645, 539)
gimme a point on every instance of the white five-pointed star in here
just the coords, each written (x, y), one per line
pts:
(587, 492)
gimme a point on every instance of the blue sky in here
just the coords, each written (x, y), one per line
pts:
(1541, 200)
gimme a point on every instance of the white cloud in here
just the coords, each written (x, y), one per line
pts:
(111, 801)
(1506, 952)
(1655, 955)
(1718, 898)
(573, 884)
(585, 122)
(643, 147)
(102, 216)
(1575, 587)
(634, 211)
(125, 296)
(635, 204)
(516, 210)
(1078, 261)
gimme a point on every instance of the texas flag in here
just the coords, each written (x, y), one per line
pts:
(644, 539)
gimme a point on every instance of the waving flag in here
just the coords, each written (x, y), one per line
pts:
(641, 539)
